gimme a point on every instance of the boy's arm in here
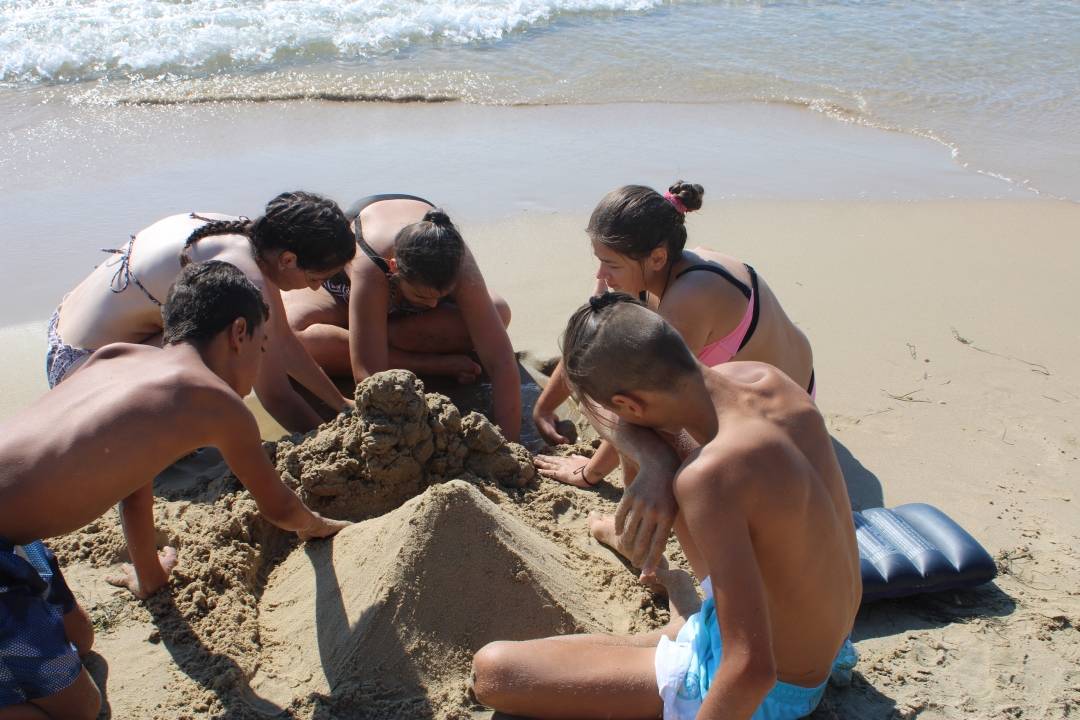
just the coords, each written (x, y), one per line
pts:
(148, 572)
(715, 510)
(237, 437)
(554, 393)
(647, 511)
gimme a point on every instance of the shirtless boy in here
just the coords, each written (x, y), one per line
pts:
(765, 523)
(99, 438)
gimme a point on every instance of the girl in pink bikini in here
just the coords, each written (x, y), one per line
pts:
(721, 307)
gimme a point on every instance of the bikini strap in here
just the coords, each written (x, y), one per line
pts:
(722, 272)
(123, 277)
(757, 307)
(357, 207)
(379, 260)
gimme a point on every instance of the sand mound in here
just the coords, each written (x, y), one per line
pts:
(386, 617)
(381, 621)
(397, 442)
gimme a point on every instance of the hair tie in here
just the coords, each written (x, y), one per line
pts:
(596, 303)
(676, 203)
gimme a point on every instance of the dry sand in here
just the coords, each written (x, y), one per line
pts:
(946, 344)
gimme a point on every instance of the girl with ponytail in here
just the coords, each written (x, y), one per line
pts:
(413, 298)
(299, 241)
(722, 308)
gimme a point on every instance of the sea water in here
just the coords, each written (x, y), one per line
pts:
(996, 83)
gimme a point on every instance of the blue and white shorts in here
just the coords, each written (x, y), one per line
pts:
(682, 675)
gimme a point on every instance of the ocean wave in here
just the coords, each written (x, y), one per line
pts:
(116, 38)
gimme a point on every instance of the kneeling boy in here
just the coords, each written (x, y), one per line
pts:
(765, 523)
(100, 438)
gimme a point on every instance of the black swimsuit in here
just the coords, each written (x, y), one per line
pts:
(338, 286)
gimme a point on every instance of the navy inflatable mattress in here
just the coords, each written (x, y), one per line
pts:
(914, 549)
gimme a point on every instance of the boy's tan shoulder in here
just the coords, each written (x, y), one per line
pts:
(198, 391)
(750, 449)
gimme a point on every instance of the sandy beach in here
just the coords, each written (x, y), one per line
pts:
(910, 200)
(946, 377)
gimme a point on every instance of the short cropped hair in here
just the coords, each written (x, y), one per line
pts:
(613, 345)
(206, 298)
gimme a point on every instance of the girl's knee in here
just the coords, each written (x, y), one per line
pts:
(299, 319)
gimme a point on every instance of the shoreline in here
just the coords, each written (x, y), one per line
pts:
(89, 177)
(826, 260)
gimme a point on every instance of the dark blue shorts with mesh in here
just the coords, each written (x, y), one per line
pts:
(36, 659)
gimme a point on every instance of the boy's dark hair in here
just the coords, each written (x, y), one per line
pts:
(614, 344)
(634, 220)
(205, 299)
(429, 252)
(308, 225)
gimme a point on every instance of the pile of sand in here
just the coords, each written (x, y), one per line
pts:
(397, 442)
(382, 620)
(387, 617)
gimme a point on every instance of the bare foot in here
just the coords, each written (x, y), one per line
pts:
(678, 586)
(128, 578)
(602, 527)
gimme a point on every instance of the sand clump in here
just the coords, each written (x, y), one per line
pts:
(398, 441)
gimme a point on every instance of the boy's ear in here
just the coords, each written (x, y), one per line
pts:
(238, 333)
(392, 262)
(628, 404)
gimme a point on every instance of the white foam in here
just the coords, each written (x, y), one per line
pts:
(85, 39)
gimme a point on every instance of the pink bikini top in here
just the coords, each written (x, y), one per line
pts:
(726, 347)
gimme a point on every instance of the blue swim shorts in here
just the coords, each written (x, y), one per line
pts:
(685, 666)
(36, 659)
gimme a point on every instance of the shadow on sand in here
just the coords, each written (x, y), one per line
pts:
(863, 486)
(352, 694)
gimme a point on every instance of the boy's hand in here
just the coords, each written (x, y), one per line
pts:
(129, 578)
(645, 517)
(322, 527)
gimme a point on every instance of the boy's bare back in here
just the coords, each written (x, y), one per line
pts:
(105, 432)
(771, 469)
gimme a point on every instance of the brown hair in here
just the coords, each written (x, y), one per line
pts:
(430, 252)
(205, 299)
(634, 220)
(308, 225)
(614, 344)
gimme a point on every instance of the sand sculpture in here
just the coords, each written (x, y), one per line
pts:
(381, 621)
(397, 442)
